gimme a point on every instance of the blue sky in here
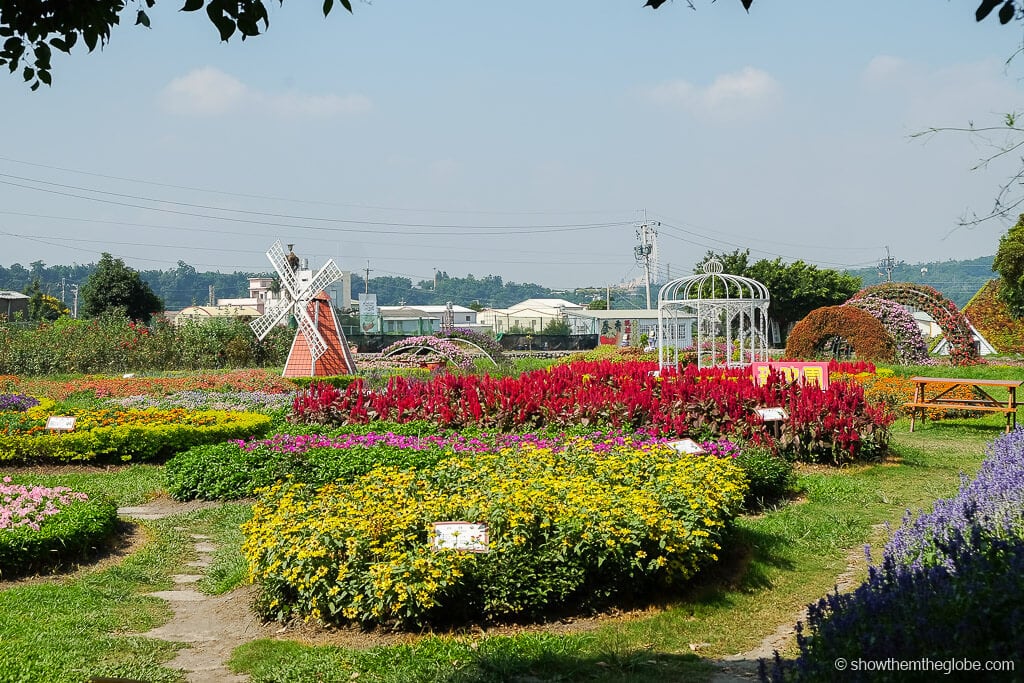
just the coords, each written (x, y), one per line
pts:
(517, 139)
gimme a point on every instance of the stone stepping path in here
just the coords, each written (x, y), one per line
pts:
(211, 625)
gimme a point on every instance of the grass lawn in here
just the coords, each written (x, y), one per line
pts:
(71, 628)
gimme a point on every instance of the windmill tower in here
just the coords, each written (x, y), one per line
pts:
(319, 348)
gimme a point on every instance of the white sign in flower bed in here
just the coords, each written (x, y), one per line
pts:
(463, 536)
(687, 446)
(60, 423)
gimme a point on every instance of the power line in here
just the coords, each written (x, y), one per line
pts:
(244, 195)
(267, 214)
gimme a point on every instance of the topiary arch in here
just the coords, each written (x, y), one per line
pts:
(944, 312)
(869, 338)
(911, 348)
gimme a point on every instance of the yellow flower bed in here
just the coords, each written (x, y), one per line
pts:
(581, 526)
(126, 434)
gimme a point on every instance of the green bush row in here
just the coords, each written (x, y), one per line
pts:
(770, 478)
(131, 441)
(75, 533)
(113, 344)
(226, 471)
(339, 381)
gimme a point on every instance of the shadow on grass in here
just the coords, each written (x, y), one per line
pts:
(610, 664)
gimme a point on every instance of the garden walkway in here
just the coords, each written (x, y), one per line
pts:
(212, 626)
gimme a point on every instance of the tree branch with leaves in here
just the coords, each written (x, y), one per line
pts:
(30, 30)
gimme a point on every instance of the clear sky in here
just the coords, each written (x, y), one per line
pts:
(521, 139)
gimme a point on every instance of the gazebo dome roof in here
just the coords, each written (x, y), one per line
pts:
(713, 285)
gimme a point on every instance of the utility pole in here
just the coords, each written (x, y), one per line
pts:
(211, 296)
(887, 264)
(435, 279)
(74, 309)
(366, 281)
(647, 251)
(608, 298)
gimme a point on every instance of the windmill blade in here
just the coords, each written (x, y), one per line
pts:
(317, 344)
(271, 317)
(324, 277)
(284, 270)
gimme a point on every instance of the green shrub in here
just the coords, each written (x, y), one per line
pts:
(770, 478)
(222, 471)
(230, 471)
(339, 381)
(75, 533)
(114, 344)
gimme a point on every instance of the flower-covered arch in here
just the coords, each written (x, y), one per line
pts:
(911, 348)
(944, 312)
(435, 346)
(868, 336)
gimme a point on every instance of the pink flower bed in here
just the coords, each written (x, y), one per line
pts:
(22, 506)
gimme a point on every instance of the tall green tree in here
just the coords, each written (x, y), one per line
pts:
(798, 288)
(795, 288)
(115, 288)
(43, 306)
(1009, 263)
(733, 263)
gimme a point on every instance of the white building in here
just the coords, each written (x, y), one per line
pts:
(190, 313)
(260, 294)
(531, 315)
(626, 326)
(424, 319)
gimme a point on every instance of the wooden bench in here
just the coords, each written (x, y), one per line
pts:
(982, 402)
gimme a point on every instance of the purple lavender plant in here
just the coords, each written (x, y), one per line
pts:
(949, 588)
(995, 499)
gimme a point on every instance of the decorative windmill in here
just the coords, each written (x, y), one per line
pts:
(319, 347)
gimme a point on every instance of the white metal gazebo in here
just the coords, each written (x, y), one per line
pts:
(731, 313)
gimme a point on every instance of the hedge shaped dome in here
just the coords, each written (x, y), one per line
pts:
(869, 338)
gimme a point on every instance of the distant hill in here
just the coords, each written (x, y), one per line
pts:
(958, 280)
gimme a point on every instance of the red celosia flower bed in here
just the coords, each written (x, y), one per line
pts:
(836, 424)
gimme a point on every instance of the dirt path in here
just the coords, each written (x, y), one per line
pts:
(212, 626)
(744, 665)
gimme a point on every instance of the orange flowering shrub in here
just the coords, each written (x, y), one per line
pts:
(121, 387)
(893, 392)
(993, 319)
(870, 339)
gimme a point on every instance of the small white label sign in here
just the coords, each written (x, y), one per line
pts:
(60, 423)
(773, 414)
(688, 446)
(464, 536)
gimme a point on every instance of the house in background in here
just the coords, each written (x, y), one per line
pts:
(13, 303)
(425, 319)
(984, 348)
(929, 328)
(531, 315)
(627, 326)
(191, 313)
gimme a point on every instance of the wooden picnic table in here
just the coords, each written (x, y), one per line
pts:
(981, 400)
